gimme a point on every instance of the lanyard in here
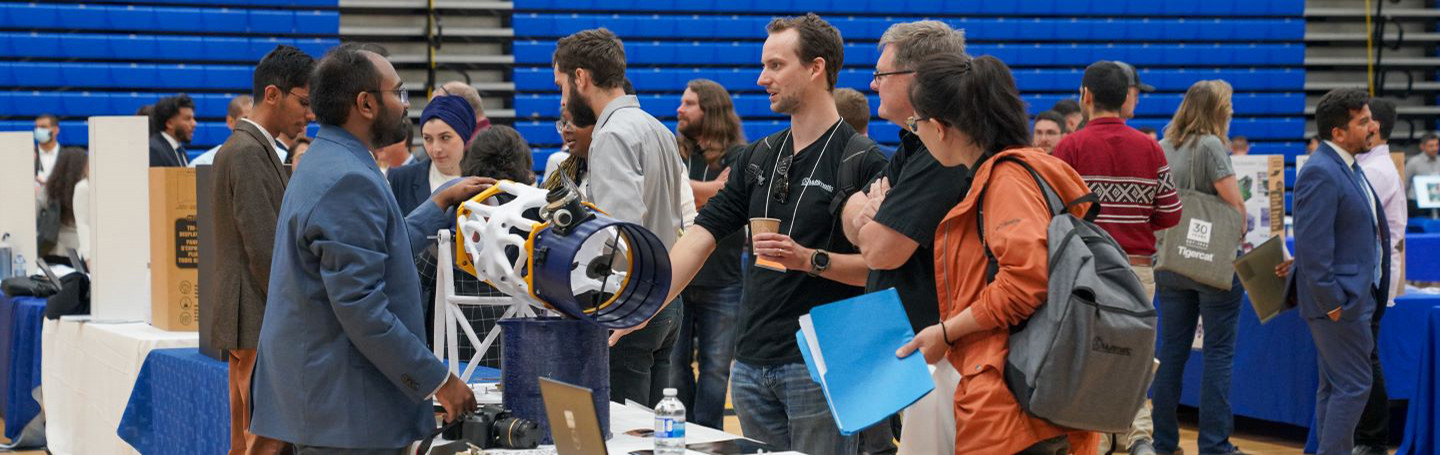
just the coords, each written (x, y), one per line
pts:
(774, 170)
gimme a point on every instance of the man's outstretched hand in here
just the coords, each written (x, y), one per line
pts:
(461, 191)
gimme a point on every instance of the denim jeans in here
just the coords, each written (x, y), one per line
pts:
(1180, 307)
(709, 328)
(781, 406)
(640, 362)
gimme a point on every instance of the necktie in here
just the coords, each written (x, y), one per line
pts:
(182, 156)
(1364, 183)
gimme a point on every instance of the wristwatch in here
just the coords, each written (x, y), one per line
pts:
(819, 262)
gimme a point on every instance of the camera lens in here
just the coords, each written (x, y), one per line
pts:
(516, 433)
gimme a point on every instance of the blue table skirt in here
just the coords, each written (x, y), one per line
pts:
(181, 404)
(21, 319)
(1422, 263)
(1275, 373)
(1422, 425)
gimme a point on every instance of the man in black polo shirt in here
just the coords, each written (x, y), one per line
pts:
(896, 233)
(794, 176)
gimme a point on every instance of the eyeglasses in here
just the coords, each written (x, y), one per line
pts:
(879, 75)
(561, 126)
(399, 92)
(304, 100)
(914, 121)
(781, 192)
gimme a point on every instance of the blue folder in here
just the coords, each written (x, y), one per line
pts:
(849, 347)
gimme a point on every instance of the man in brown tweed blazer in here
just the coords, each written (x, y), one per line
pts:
(250, 182)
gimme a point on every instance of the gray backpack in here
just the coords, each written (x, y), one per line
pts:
(1085, 358)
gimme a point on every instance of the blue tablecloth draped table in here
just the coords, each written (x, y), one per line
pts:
(21, 319)
(181, 404)
(1424, 225)
(1422, 422)
(1275, 373)
(1422, 257)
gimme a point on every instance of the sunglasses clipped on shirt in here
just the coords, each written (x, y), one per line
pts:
(781, 186)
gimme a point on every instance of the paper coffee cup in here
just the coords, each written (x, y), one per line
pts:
(765, 226)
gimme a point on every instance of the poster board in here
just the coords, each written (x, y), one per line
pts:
(120, 207)
(17, 195)
(1262, 186)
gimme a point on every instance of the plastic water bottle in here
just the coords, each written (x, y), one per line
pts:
(19, 267)
(670, 425)
(5, 255)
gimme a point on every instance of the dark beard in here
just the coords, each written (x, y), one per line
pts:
(387, 130)
(581, 115)
(690, 130)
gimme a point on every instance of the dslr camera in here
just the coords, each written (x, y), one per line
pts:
(494, 427)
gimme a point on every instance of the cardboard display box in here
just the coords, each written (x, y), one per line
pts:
(174, 250)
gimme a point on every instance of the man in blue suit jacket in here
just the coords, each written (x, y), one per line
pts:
(342, 367)
(1340, 264)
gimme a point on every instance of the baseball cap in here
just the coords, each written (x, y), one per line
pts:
(1134, 77)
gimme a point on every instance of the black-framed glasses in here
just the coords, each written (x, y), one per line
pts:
(399, 92)
(781, 185)
(914, 121)
(304, 100)
(561, 125)
(879, 74)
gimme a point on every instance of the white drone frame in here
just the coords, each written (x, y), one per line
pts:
(450, 321)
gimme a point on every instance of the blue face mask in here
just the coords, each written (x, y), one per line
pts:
(42, 135)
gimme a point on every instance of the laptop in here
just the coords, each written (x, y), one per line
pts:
(574, 424)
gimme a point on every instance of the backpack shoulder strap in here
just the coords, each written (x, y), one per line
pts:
(758, 152)
(851, 177)
(1052, 200)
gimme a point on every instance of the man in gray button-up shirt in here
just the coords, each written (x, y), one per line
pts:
(635, 176)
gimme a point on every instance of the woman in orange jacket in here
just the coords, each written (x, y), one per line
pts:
(968, 113)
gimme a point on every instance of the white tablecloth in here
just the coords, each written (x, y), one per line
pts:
(87, 372)
(623, 419)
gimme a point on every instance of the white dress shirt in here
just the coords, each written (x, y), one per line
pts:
(1385, 179)
(47, 160)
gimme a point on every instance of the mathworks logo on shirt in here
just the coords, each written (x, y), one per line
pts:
(812, 182)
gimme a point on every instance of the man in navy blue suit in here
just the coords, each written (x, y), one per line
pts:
(1341, 266)
(342, 366)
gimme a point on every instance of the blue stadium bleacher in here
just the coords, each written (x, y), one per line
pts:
(1028, 8)
(1258, 47)
(108, 57)
(167, 19)
(1016, 55)
(751, 106)
(327, 4)
(142, 48)
(543, 132)
(86, 104)
(77, 133)
(110, 76)
(1029, 80)
(1003, 29)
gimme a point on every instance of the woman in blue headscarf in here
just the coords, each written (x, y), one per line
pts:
(446, 126)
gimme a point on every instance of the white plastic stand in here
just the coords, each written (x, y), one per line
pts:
(450, 322)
